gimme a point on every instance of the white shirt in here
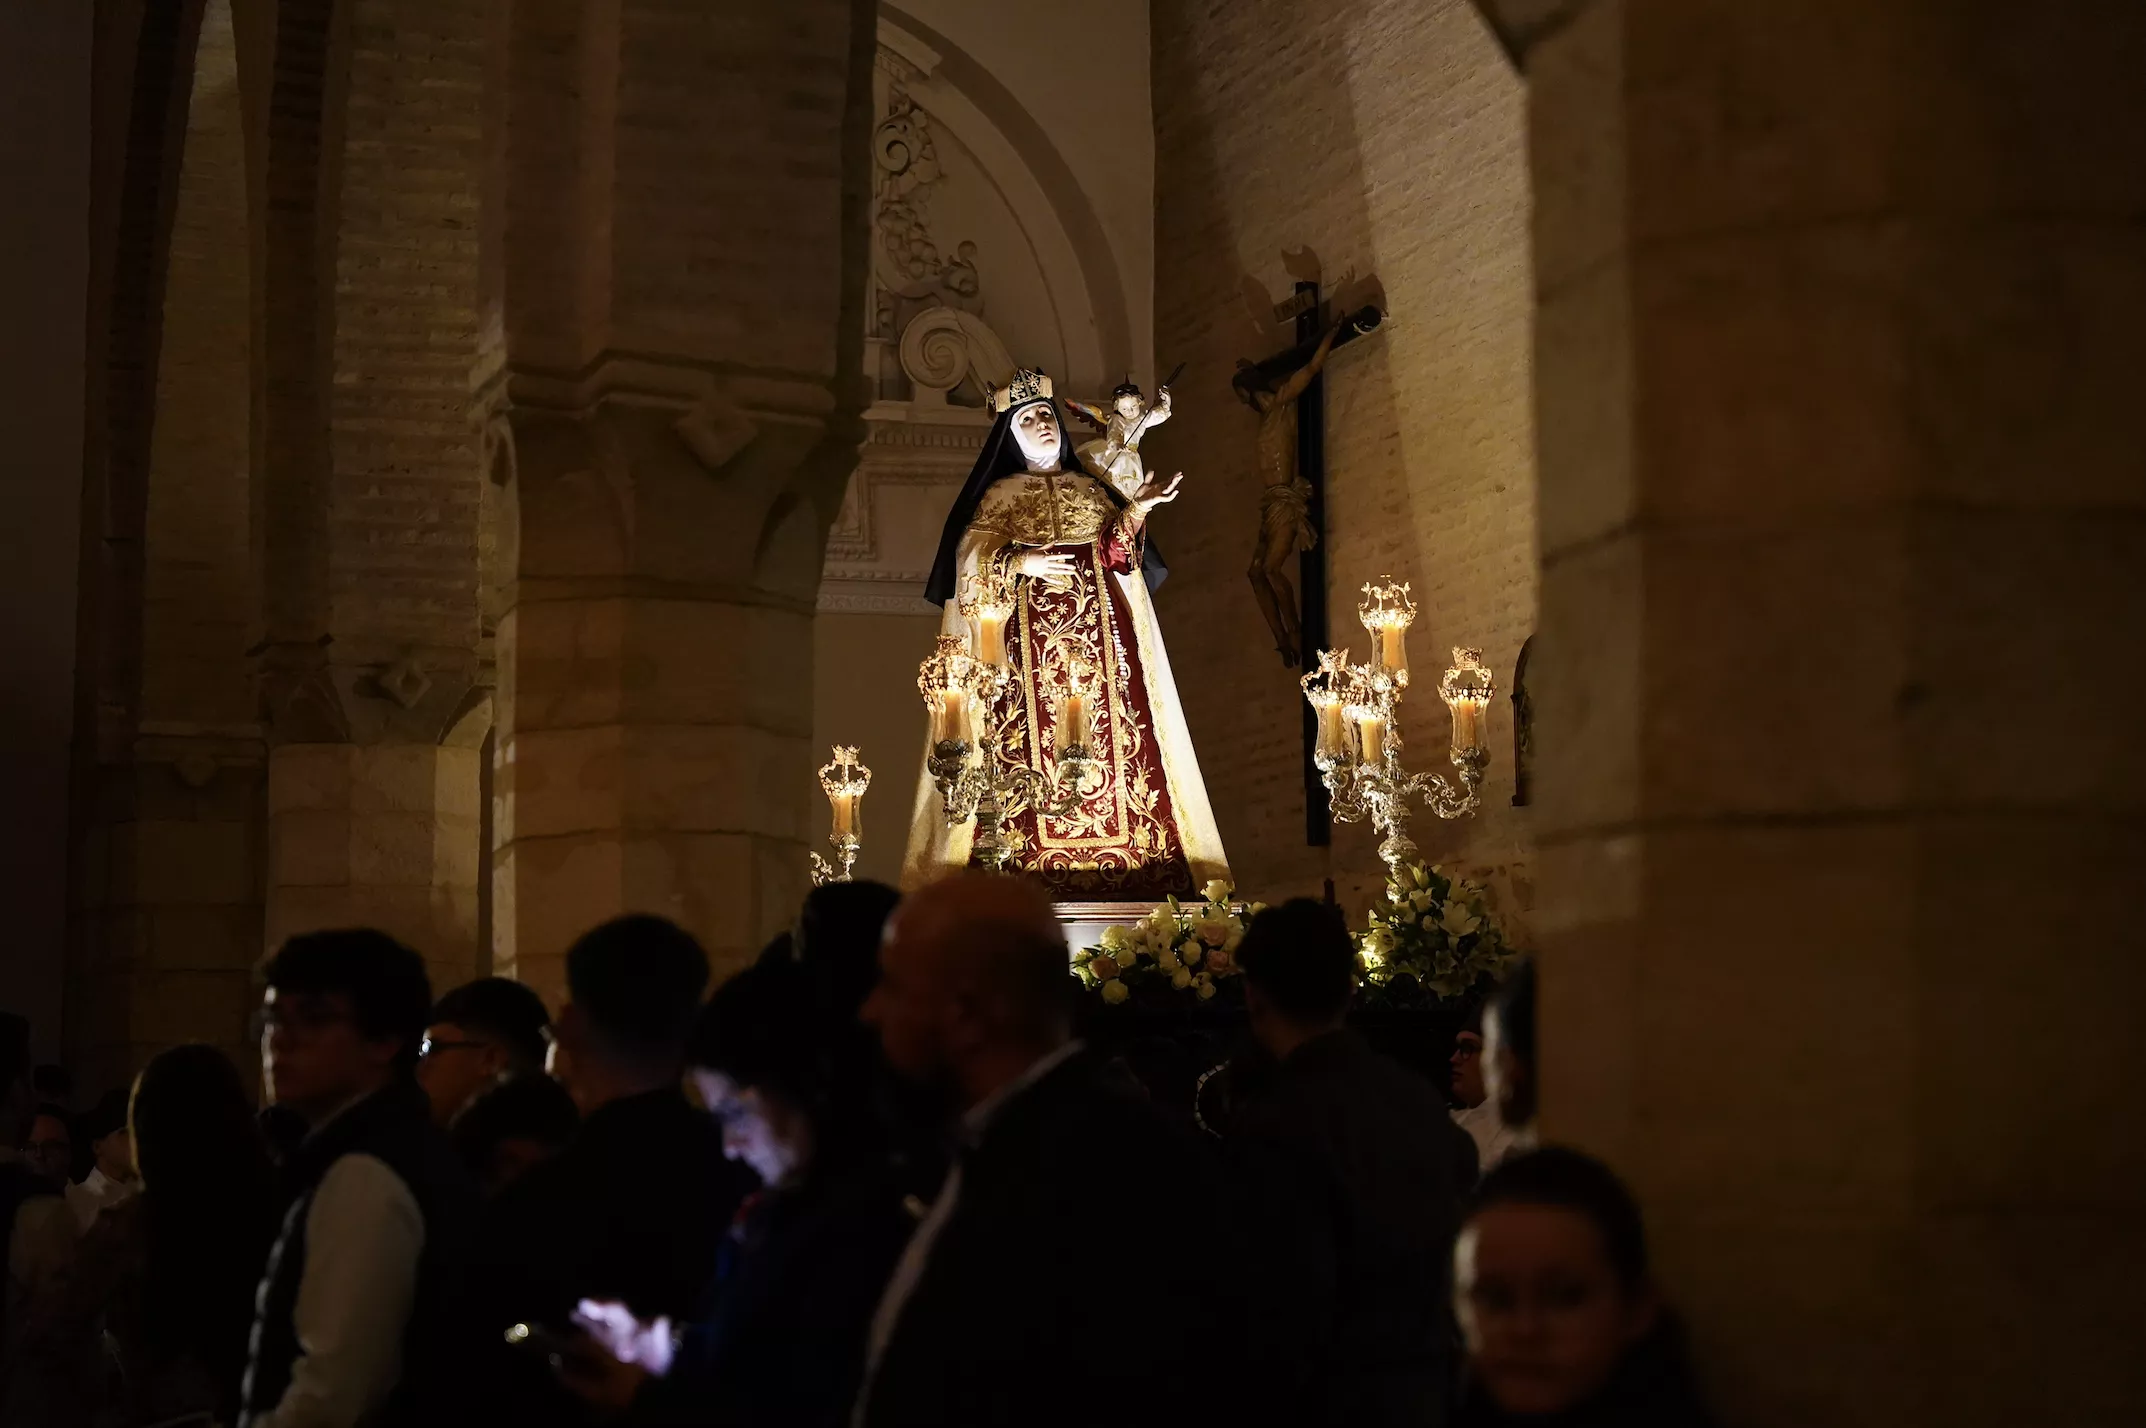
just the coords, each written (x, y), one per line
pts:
(909, 1270)
(1494, 1139)
(363, 1236)
(97, 1193)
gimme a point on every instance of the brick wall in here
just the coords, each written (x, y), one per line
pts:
(1386, 135)
(406, 439)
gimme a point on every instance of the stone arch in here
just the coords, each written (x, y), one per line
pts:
(1087, 286)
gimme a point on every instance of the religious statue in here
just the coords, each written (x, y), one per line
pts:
(1115, 456)
(1285, 526)
(1056, 569)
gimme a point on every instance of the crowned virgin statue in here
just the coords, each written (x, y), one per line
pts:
(1045, 571)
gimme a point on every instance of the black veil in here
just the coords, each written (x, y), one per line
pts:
(1001, 457)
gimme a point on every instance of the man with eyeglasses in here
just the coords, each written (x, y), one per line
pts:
(348, 1322)
(480, 1032)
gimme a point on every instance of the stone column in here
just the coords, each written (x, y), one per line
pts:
(376, 667)
(1842, 313)
(383, 835)
(684, 275)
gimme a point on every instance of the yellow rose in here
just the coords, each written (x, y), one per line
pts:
(1115, 992)
(1207, 989)
(1191, 954)
(1218, 890)
(1116, 939)
(1181, 979)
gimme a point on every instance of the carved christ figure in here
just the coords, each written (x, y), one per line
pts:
(1285, 526)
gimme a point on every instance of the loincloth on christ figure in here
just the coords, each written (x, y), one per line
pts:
(1285, 509)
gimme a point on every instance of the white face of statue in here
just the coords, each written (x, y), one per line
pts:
(1128, 405)
(1035, 428)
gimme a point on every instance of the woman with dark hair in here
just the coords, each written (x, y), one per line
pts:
(171, 1272)
(1553, 1293)
(781, 1343)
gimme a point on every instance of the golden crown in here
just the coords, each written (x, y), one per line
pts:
(1026, 386)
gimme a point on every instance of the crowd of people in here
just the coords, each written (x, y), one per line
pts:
(873, 1181)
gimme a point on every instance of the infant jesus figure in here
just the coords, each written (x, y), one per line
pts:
(1114, 457)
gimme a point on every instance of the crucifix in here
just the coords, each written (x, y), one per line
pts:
(1287, 392)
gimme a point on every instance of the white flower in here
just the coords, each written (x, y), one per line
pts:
(1458, 921)
(1207, 989)
(1115, 992)
(1420, 901)
(1257, 909)
(1218, 890)
(1116, 939)
(1181, 979)
(1428, 922)
(1168, 962)
(1193, 953)
(1236, 935)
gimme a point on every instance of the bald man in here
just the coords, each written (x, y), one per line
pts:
(1084, 1249)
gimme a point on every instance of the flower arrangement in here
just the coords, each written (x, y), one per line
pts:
(1433, 937)
(1178, 950)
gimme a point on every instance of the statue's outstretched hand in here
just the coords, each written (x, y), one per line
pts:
(1056, 570)
(1153, 492)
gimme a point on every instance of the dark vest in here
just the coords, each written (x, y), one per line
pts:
(393, 1125)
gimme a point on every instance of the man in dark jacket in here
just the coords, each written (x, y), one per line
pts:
(1082, 1264)
(635, 1209)
(346, 1326)
(1364, 1172)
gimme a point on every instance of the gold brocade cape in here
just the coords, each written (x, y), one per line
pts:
(1143, 827)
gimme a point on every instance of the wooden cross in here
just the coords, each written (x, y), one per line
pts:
(1305, 310)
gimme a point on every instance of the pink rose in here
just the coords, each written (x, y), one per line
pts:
(1214, 934)
(1220, 962)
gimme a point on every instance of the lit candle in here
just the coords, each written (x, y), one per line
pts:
(1072, 719)
(1372, 730)
(845, 807)
(1467, 690)
(954, 714)
(991, 635)
(1393, 650)
(1467, 724)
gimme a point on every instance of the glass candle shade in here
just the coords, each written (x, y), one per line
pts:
(1333, 743)
(1393, 652)
(1467, 690)
(1370, 734)
(1386, 613)
(844, 779)
(943, 680)
(846, 810)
